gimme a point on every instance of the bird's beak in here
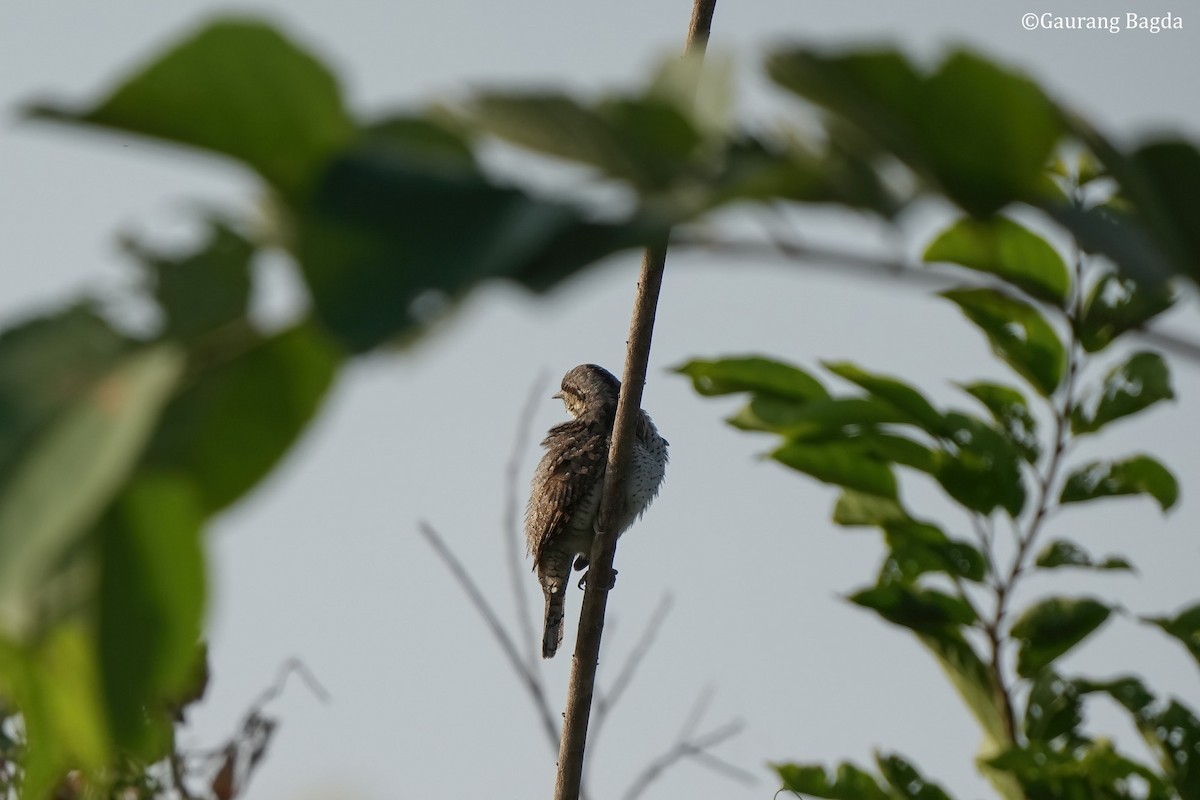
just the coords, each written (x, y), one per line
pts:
(557, 396)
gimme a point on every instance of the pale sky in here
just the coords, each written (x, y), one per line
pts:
(324, 562)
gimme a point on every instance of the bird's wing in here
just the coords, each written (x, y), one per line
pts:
(576, 455)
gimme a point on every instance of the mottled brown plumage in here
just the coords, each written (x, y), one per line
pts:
(565, 497)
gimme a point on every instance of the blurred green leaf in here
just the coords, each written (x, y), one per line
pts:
(68, 474)
(970, 677)
(763, 376)
(848, 783)
(982, 133)
(1117, 305)
(55, 682)
(845, 463)
(1091, 770)
(1184, 626)
(982, 471)
(1018, 334)
(1131, 387)
(384, 238)
(1136, 475)
(1165, 196)
(1050, 628)
(202, 290)
(1054, 710)
(915, 607)
(1062, 553)
(230, 426)
(238, 88)
(893, 391)
(919, 547)
(1004, 248)
(905, 781)
(151, 607)
(1011, 412)
(858, 508)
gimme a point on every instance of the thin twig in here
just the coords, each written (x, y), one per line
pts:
(581, 688)
(530, 680)
(692, 748)
(512, 533)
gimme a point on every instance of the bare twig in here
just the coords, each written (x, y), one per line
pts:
(693, 748)
(595, 598)
(512, 532)
(529, 678)
(608, 701)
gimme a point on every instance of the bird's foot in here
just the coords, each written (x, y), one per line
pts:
(581, 562)
(583, 580)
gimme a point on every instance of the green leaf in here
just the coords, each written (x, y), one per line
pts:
(832, 418)
(202, 290)
(1051, 627)
(69, 473)
(1092, 770)
(971, 679)
(1137, 475)
(845, 463)
(1004, 248)
(1068, 554)
(849, 783)
(893, 391)
(151, 607)
(55, 683)
(1131, 387)
(763, 376)
(1011, 412)
(914, 607)
(982, 470)
(918, 547)
(238, 88)
(906, 782)
(233, 424)
(1018, 334)
(377, 252)
(1168, 172)
(982, 133)
(1054, 709)
(1184, 626)
(858, 508)
(1117, 305)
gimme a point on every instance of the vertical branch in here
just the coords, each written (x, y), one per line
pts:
(582, 684)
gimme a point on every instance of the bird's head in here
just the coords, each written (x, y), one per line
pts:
(589, 390)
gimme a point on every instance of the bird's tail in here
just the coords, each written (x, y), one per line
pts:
(554, 570)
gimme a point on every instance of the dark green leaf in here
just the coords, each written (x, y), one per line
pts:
(753, 374)
(1169, 172)
(1131, 387)
(1054, 709)
(982, 133)
(239, 417)
(982, 470)
(1011, 412)
(238, 88)
(202, 290)
(1051, 627)
(1068, 554)
(1116, 305)
(1136, 475)
(68, 473)
(906, 781)
(1128, 691)
(1018, 334)
(914, 607)
(833, 418)
(1004, 248)
(151, 607)
(903, 397)
(1184, 626)
(1176, 731)
(918, 547)
(970, 677)
(1088, 771)
(849, 783)
(845, 463)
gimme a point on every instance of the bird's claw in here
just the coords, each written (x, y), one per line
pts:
(583, 580)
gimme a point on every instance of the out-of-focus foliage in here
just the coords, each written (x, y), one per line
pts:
(117, 448)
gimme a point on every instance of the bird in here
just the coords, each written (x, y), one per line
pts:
(564, 499)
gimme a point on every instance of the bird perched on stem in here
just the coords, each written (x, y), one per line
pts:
(564, 502)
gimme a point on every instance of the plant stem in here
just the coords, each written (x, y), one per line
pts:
(582, 684)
